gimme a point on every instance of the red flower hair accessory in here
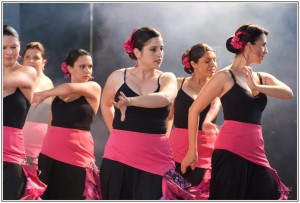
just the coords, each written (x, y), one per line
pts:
(65, 69)
(128, 44)
(186, 62)
(235, 41)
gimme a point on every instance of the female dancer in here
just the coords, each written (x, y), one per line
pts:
(137, 153)
(36, 124)
(200, 62)
(19, 180)
(240, 168)
(67, 161)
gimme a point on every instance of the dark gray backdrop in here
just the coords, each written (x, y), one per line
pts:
(101, 28)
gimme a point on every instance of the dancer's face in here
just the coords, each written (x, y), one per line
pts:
(33, 57)
(11, 50)
(152, 53)
(206, 65)
(82, 70)
(258, 50)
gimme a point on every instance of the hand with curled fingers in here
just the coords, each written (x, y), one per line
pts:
(38, 97)
(210, 128)
(122, 104)
(190, 159)
(248, 74)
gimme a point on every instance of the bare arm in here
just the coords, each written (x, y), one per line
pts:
(23, 78)
(166, 95)
(170, 120)
(107, 107)
(208, 127)
(271, 87)
(89, 89)
(212, 89)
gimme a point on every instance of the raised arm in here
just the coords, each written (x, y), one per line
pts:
(271, 86)
(23, 78)
(90, 89)
(166, 95)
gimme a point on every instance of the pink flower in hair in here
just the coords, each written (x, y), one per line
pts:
(235, 41)
(186, 62)
(128, 44)
(65, 70)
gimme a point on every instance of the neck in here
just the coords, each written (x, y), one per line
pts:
(143, 73)
(199, 79)
(239, 62)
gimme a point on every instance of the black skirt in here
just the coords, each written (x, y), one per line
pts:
(122, 182)
(235, 178)
(14, 181)
(193, 176)
(64, 181)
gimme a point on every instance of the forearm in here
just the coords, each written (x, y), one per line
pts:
(277, 91)
(153, 100)
(193, 124)
(213, 110)
(59, 90)
(108, 116)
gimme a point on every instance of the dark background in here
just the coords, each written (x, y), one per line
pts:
(101, 28)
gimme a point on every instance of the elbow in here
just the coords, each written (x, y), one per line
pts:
(192, 111)
(289, 94)
(166, 99)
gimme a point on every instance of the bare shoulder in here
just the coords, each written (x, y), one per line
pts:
(222, 75)
(180, 79)
(28, 70)
(117, 74)
(94, 85)
(48, 82)
(167, 75)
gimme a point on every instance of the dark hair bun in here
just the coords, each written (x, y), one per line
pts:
(229, 46)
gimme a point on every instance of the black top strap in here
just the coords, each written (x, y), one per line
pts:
(232, 76)
(125, 75)
(158, 80)
(182, 83)
(260, 78)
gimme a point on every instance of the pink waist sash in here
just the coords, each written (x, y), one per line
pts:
(147, 152)
(13, 145)
(34, 134)
(246, 140)
(243, 139)
(70, 146)
(179, 143)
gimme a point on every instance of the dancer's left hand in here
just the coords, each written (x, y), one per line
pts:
(122, 105)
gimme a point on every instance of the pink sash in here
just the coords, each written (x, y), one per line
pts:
(246, 140)
(13, 145)
(71, 146)
(34, 134)
(179, 143)
(13, 151)
(147, 152)
(75, 147)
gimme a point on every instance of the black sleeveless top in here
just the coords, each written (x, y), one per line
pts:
(181, 110)
(76, 114)
(139, 119)
(15, 109)
(240, 105)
